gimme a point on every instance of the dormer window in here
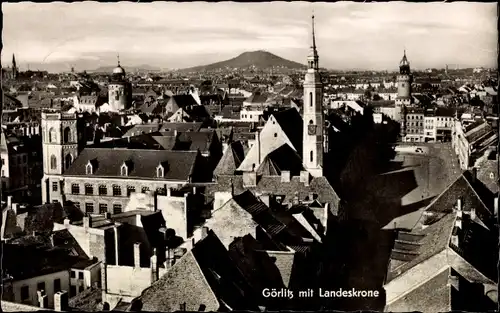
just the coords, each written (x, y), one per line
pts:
(124, 170)
(89, 169)
(160, 171)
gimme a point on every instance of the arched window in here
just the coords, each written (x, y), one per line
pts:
(67, 135)
(311, 122)
(52, 135)
(311, 156)
(310, 99)
(124, 170)
(53, 162)
(68, 160)
(89, 169)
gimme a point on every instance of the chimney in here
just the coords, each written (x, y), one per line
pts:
(495, 206)
(61, 301)
(43, 300)
(204, 232)
(194, 190)
(117, 243)
(137, 255)
(107, 215)
(304, 177)
(285, 176)
(154, 267)
(67, 222)
(458, 223)
(459, 204)
(169, 192)
(87, 221)
(104, 279)
(9, 202)
(15, 207)
(474, 174)
(473, 214)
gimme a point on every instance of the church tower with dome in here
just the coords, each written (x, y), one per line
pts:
(119, 90)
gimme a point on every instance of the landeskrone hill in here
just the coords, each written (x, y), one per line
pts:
(259, 59)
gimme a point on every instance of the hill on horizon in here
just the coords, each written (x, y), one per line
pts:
(260, 59)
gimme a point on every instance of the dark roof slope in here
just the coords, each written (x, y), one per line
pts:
(179, 165)
(282, 159)
(291, 123)
(231, 159)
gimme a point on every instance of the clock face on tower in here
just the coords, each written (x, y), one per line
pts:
(311, 129)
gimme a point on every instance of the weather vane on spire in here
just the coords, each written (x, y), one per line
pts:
(118, 58)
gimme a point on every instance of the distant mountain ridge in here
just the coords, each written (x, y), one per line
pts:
(259, 59)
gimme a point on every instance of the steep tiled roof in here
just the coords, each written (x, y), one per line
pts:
(42, 218)
(191, 141)
(142, 128)
(282, 159)
(257, 98)
(203, 276)
(274, 185)
(291, 123)
(87, 301)
(193, 126)
(432, 296)
(231, 159)
(179, 165)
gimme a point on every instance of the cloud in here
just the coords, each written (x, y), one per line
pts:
(178, 34)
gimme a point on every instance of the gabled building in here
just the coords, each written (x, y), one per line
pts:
(448, 261)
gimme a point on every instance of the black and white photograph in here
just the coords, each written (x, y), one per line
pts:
(249, 156)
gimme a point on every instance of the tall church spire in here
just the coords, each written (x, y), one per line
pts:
(13, 61)
(313, 35)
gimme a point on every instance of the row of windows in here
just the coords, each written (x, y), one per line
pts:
(25, 290)
(414, 124)
(73, 274)
(102, 208)
(414, 131)
(66, 135)
(103, 190)
(415, 117)
(67, 161)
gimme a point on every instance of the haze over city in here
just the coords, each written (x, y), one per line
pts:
(56, 36)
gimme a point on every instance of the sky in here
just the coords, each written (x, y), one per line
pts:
(86, 35)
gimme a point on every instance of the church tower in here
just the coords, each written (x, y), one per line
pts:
(14, 67)
(60, 138)
(313, 128)
(404, 80)
(119, 90)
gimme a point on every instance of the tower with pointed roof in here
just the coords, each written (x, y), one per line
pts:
(404, 80)
(119, 91)
(14, 70)
(313, 118)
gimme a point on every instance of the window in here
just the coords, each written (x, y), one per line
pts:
(275, 135)
(117, 191)
(54, 186)
(40, 286)
(68, 160)
(80, 275)
(53, 162)
(72, 291)
(103, 208)
(52, 135)
(67, 135)
(311, 156)
(3, 161)
(89, 189)
(310, 99)
(73, 274)
(145, 189)
(25, 293)
(130, 189)
(89, 207)
(103, 190)
(57, 285)
(80, 289)
(117, 208)
(75, 189)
